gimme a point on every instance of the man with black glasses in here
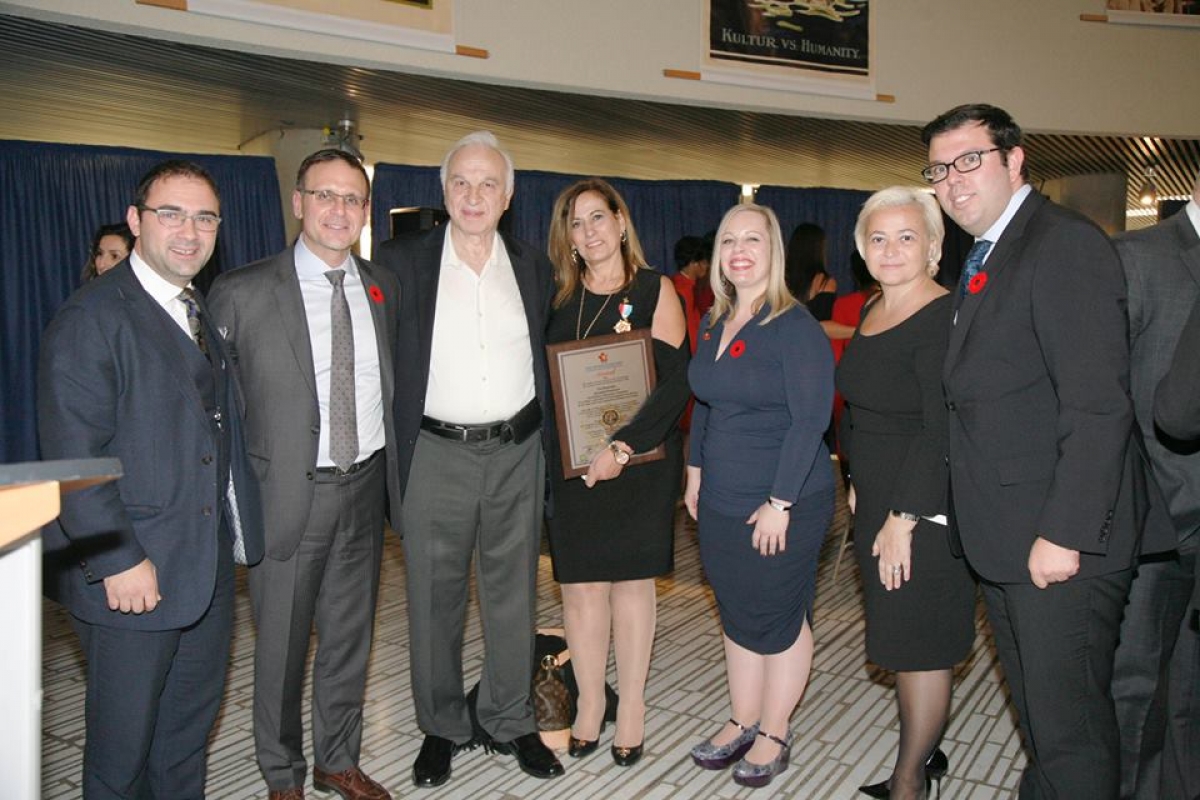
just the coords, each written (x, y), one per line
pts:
(132, 368)
(311, 330)
(1043, 468)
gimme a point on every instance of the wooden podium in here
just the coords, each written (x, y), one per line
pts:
(30, 495)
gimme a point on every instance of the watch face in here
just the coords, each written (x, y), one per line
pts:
(621, 456)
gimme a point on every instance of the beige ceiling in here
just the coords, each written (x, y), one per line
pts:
(67, 84)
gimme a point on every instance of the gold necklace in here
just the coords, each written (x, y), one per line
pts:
(583, 292)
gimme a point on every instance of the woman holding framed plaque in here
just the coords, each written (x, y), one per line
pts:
(611, 530)
(760, 484)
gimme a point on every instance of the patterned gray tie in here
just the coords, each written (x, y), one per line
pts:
(343, 421)
(973, 264)
(188, 298)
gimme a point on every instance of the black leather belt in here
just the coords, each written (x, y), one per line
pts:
(515, 429)
(355, 467)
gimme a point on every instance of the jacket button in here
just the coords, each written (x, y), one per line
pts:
(315, 430)
(309, 475)
(206, 460)
(206, 511)
(950, 405)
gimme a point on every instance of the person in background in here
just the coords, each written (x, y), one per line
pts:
(760, 486)
(807, 278)
(920, 599)
(110, 246)
(611, 533)
(691, 282)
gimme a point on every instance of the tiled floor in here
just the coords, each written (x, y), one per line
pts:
(845, 727)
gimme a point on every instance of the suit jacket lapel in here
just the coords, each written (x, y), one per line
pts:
(1003, 253)
(384, 316)
(530, 299)
(427, 274)
(148, 315)
(290, 306)
(1189, 244)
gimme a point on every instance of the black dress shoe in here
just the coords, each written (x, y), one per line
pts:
(533, 757)
(626, 756)
(432, 767)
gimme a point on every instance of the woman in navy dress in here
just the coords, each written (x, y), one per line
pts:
(759, 483)
(919, 598)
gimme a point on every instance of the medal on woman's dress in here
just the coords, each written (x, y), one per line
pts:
(625, 309)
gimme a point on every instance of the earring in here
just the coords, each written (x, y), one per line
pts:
(574, 255)
(624, 236)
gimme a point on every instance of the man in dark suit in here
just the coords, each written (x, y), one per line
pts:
(1158, 659)
(312, 332)
(131, 368)
(1042, 471)
(472, 395)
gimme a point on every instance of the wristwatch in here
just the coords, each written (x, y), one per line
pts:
(778, 506)
(621, 457)
(904, 515)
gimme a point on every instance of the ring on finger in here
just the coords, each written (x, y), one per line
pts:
(896, 569)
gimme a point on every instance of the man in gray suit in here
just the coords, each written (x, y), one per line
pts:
(1158, 660)
(472, 396)
(312, 330)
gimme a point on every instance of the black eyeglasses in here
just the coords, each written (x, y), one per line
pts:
(967, 162)
(326, 197)
(174, 218)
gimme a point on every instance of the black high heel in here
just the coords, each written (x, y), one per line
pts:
(578, 748)
(936, 767)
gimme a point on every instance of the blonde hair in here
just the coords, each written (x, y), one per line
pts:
(898, 197)
(568, 266)
(776, 296)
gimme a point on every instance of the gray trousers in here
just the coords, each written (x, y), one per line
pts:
(482, 500)
(331, 580)
(1156, 680)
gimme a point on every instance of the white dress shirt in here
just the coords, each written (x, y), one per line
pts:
(165, 293)
(480, 365)
(317, 292)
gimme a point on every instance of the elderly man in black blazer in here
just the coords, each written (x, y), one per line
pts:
(131, 367)
(1158, 661)
(472, 401)
(1043, 474)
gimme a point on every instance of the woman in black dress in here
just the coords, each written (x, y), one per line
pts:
(806, 275)
(611, 531)
(760, 486)
(919, 597)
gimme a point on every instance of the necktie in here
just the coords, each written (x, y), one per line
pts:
(188, 298)
(343, 422)
(974, 263)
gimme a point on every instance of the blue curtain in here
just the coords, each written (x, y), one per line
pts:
(662, 211)
(52, 199)
(835, 210)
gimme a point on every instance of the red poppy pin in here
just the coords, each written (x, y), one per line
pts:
(375, 293)
(706, 336)
(737, 348)
(977, 282)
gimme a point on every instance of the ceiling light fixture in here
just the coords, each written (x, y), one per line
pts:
(341, 136)
(1148, 196)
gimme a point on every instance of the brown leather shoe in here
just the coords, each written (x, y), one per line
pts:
(294, 793)
(351, 784)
